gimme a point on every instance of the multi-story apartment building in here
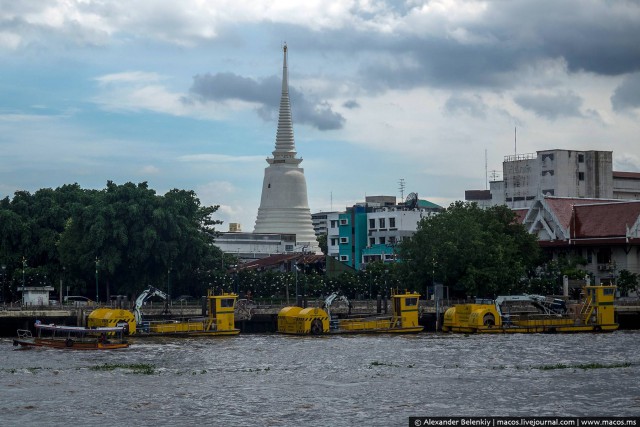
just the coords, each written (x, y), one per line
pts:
(561, 173)
(320, 221)
(369, 231)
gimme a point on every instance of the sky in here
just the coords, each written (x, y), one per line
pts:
(185, 94)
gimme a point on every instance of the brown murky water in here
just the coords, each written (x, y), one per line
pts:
(273, 380)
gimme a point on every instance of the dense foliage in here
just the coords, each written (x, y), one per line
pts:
(472, 251)
(628, 282)
(126, 237)
(377, 279)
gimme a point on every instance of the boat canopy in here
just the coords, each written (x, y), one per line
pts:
(63, 328)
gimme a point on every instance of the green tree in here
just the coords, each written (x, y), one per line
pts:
(473, 251)
(136, 238)
(548, 277)
(628, 282)
(322, 242)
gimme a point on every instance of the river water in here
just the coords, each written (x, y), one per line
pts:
(275, 380)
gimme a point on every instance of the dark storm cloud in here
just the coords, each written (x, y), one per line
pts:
(506, 40)
(627, 95)
(565, 104)
(351, 104)
(266, 92)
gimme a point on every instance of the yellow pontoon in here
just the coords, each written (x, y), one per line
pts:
(533, 313)
(317, 321)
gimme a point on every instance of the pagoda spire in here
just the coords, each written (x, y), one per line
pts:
(284, 205)
(285, 144)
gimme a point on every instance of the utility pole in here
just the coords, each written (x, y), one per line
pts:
(97, 295)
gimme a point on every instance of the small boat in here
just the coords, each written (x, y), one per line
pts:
(318, 321)
(535, 314)
(72, 337)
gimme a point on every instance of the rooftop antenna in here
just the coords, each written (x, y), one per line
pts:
(515, 141)
(401, 188)
(485, 169)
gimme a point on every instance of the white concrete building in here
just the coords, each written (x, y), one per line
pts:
(35, 295)
(333, 234)
(252, 246)
(284, 205)
(320, 221)
(560, 173)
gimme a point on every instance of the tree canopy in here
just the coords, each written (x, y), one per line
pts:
(126, 235)
(472, 251)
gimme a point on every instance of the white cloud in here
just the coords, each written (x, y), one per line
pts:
(138, 77)
(219, 158)
(9, 40)
(234, 205)
(407, 66)
(150, 170)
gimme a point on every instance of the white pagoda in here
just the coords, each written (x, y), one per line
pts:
(284, 206)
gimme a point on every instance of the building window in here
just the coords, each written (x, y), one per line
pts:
(392, 223)
(334, 241)
(580, 176)
(604, 256)
(383, 240)
(344, 222)
(334, 223)
(344, 258)
(344, 240)
(382, 223)
(288, 248)
(372, 223)
(580, 158)
(372, 241)
(392, 240)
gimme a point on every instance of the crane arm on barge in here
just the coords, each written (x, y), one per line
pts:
(330, 299)
(144, 296)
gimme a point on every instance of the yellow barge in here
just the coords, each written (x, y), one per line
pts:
(317, 321)
(535, 314)
(220, 319)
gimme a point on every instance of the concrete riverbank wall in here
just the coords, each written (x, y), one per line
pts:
(250, 317)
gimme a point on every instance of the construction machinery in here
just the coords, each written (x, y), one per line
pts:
(535, 313)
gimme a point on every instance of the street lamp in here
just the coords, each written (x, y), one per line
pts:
(169, 283)
(296, 267)
(24, 264)
(4, 279)
(61, 286)
(97, 296)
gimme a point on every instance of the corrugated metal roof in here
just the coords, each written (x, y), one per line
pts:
(562, 207)
(626, 175)
(428, 204)
(605, 220)
(279, 259)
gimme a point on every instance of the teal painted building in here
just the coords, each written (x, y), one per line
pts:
(353, 235)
